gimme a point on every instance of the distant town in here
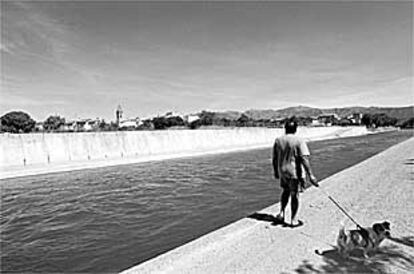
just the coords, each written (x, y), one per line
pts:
(21, 122)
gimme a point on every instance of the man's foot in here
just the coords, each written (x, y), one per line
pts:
(302, 186)
(296, 223)
(279, 218)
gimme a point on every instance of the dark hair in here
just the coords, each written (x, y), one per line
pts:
(290, 127)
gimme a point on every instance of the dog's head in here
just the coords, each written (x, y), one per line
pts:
(382, 229)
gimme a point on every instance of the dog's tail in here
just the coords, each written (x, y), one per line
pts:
(342, 234)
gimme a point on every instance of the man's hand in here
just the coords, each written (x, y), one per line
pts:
(313, 180)
(306, 164)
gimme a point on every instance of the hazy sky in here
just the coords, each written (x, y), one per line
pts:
(80, 59)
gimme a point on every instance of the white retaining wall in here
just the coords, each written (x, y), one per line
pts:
(39, 148)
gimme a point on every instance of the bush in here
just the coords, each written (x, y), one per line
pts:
(206, 118)
(243, 121)
(195, 124)
(345, 122)
(409, 123)
(160, 123)
(53, 123)
(378, 120)
(174, 121)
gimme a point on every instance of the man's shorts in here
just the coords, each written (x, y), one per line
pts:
(290, 184)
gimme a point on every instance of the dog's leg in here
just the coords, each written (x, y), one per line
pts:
(345, 255)
(365, 253)
(343, 252)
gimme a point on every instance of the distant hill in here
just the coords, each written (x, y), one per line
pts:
(303, 111)
(401, 113)
(232, 115)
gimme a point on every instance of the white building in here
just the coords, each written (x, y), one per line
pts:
(173, 114)
(39, 126)
(355, 118)
(82, 125)
(91, 124)
(191, 118)
(130, 123)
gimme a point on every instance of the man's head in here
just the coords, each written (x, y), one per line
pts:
(290, 127)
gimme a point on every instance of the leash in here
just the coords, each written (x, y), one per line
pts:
(364, 232)
(341, 208)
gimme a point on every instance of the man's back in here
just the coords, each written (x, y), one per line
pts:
(287, 150)
(289, 157)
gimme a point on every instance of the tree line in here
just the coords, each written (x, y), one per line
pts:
(21, 122)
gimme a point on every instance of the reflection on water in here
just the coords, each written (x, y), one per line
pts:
(108, 219)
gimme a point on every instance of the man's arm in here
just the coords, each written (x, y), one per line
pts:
(304, 158)
(306, 164)
(275, 162)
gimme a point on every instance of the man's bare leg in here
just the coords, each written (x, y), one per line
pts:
(294, 205)
(284, 201)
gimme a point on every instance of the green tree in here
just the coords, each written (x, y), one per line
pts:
(113, 126)
(344, 122)
(53, 122)
(378, 120)
(146, 125)
(195, 124)
(225, 122)
(174, 121)
(366, 120)
(243, 121)
(103, 126)
(17, 122)
(206, 118)
(383, 120)
(160, 123)
(409, 123)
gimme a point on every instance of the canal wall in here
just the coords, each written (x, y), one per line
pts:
(36, 153)
(38, 148)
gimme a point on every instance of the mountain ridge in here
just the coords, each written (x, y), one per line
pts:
(400, 113)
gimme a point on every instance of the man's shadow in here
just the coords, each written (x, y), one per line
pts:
(271, 219)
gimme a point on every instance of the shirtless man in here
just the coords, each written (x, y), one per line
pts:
(290, 153)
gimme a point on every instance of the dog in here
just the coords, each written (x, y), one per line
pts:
(366, 239)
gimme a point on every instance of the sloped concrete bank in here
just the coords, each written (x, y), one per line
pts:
(28, 154)
(378, 189)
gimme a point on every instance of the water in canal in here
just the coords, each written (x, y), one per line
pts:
(111, 218)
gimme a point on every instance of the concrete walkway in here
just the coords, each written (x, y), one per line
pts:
(378, 189)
